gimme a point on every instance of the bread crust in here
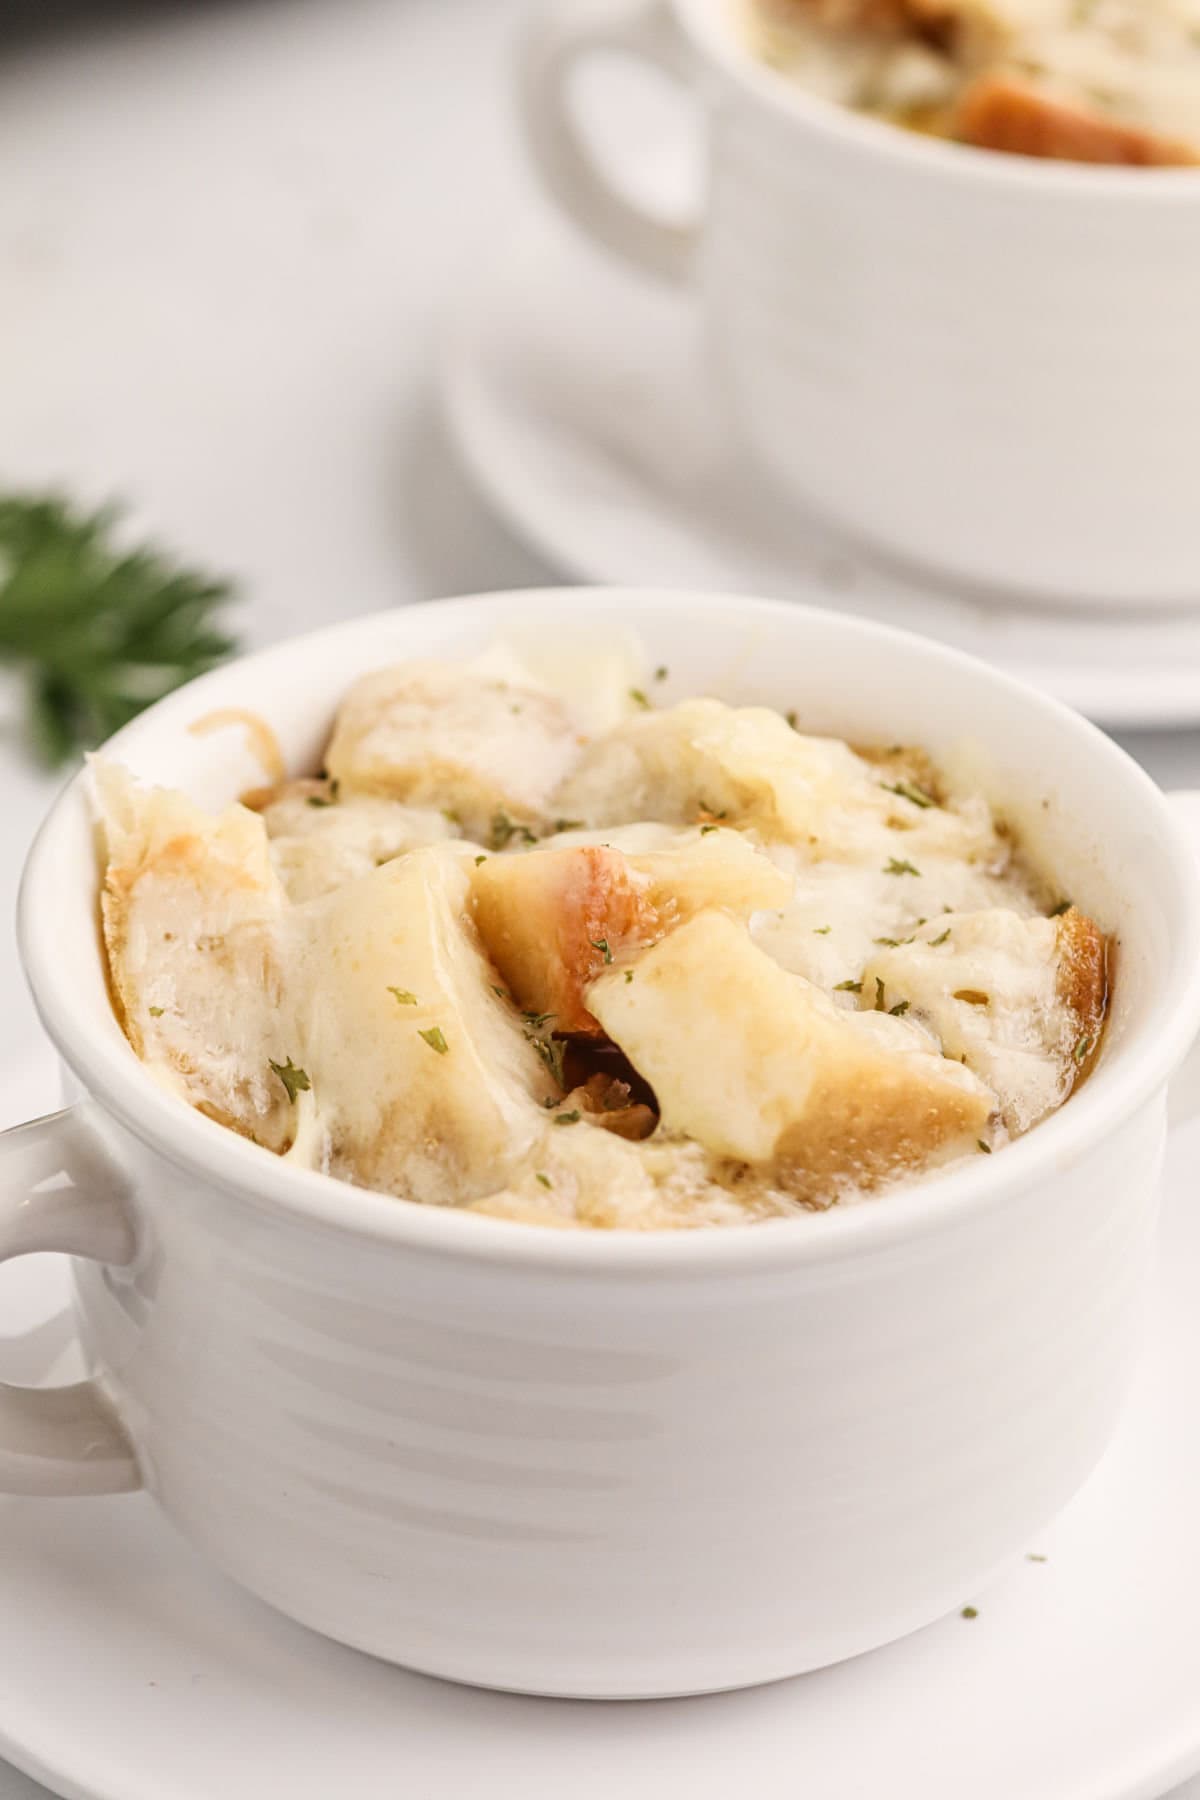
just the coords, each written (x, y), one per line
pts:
(553, 921)
(1002, 112)
(1083, 980)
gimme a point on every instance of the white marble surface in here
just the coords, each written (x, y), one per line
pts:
(229, 238)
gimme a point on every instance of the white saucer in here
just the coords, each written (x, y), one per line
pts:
(129, 1671)
(578, 398)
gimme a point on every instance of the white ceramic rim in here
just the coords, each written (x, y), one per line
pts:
(112, 1074)
(711, 24)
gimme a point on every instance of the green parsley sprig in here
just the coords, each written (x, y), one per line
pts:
(98, 631)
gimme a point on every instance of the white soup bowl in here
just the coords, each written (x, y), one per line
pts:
(985, 365)
(605, 1464)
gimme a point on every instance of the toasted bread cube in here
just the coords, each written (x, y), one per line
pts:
(1083, 980)
(192, 910)
(425, 1082)
(551, 920)
(719, 868)
(488, 751)
(1021, 1001)
(703, 761)
(1004, 112)
(758, 1065)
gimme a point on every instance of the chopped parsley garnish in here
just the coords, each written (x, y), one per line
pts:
(1080, 1052)
(504, 830)
(638, 698)
(329, 799)
(894, 943)
(986, 1148)
(880, 1000)
(571, 1118)
(568, 824)
(449, 814)
(935, 943)
(295, 1081)
(602, 945)
(908, 790)
(544, 1179)
(156, 1012)
(896, 866)
(480, 859)
(1064, 906)
(970, 1612)
(1033, 1556)
(898, 1011)
(848, 987)
(551, 1053)
(537, 1019)
(822, 930)
(705, 829)
(660, 674)
(404, 997)
(791, 719)
(628, 976)
(499, 992)
(435, 1038)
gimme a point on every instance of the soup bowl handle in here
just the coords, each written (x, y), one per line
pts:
(60, 1191)
(558, 41)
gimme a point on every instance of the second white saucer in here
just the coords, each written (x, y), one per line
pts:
(578, 396)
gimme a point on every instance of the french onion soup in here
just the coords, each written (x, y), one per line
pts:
(569, 956)
(1098, 81)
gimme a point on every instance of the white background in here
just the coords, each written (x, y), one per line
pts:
(230, 240)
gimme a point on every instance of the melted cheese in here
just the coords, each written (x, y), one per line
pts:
(193, 914)
(800, 971)
(763, 1068)
(482, 748)
(988, 986)
(425, 1082)
(318, 843)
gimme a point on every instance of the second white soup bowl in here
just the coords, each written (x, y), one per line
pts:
(986, 365)
(605, 1464)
